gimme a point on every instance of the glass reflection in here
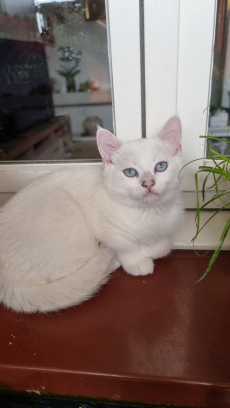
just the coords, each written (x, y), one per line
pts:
(219, 116)
(54, 79)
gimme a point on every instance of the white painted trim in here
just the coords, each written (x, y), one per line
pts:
(161, 62)
(125, 65)
(40, 166)
(179, 37)
(196, 39)
(178, 74)
(13, 177)
(189, 199)
(208, 238)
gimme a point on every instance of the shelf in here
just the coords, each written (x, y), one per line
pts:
(76, 137)
(219, 131)
(82, 98)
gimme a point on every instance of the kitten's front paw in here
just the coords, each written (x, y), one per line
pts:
(143, 267)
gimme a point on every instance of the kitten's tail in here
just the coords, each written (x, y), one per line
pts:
(65, 292)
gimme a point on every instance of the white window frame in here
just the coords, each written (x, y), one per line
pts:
(179, 40)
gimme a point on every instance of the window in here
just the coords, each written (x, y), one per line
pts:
(219, 109)
(70, 36)
(55, 79)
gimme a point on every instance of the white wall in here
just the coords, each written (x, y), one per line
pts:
(78, 113)
(19, 7)
(89, 37)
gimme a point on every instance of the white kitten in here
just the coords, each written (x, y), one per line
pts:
(62, 236)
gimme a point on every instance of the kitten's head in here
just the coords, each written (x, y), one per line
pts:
(144, 170)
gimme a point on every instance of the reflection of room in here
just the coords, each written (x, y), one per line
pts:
(219, 119)
(55, 83)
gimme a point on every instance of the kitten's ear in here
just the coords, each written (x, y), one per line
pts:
(107, 144)
(172, 132)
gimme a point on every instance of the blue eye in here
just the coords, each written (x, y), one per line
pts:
(130, 172)
(161, 166)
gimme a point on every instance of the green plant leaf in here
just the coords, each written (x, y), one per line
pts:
(203, 186)
(74, 68)
(213, 215)
(63, 73)
(197, 219)
(211, 155)
(199, 209)
(214, 170)
(220, 173)
(226, 159)
(214, 198)
(215, 138)
(217, 250)
(76, 72)
(220, 180)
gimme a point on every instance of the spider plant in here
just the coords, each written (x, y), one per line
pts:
(220, 173)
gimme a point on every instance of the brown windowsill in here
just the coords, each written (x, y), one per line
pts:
(155, 339)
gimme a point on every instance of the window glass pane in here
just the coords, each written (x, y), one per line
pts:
(54, 79)
(219, 116)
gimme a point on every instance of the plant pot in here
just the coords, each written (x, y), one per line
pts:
(71, 85)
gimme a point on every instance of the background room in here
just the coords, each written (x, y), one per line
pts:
(54, 79)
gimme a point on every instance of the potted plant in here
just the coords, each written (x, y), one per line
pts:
(69, 75)
(220, 173)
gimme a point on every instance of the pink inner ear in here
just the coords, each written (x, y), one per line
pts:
(107, 144)
(172, 131)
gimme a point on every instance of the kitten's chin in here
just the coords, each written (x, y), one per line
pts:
(150, 194)
(150, 197)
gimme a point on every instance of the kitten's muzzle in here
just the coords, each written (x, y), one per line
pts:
(148, 184)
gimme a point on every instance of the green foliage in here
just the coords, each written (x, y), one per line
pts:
(69, 73)
(220, 173)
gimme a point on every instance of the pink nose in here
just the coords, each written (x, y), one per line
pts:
(148, 184)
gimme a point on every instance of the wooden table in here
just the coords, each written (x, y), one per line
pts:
(27, 141)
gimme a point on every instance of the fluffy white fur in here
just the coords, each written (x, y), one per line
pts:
(63, 235)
